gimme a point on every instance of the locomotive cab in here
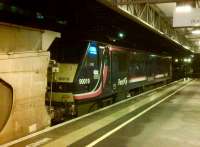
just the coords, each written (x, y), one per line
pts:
(78, 74)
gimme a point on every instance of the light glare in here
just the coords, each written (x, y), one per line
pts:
(121, 35)
(196, 32)
(183, 9)
(185, 60)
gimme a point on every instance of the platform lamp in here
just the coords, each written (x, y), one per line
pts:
(185, 6)
(121, 35)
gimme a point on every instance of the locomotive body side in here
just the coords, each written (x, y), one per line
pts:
(133, 69)
(105, 73)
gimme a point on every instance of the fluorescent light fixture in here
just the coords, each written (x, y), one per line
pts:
(183, 9)
(196, 32)
(185, 60)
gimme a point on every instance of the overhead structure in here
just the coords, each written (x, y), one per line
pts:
(151, 1)
(151, 16)
(100, 18)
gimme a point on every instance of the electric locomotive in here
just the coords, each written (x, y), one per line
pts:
(90, 75)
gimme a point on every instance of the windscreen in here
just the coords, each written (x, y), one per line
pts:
(67, 51)
(89, 74)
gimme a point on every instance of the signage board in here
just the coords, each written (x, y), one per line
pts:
(187, 19)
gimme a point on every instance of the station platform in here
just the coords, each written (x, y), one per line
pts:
(174, 123)
(166, 116)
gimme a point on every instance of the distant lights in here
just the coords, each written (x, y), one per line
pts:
(183, 9)
(187, 60)
(196, 32)
(39, 16)
(152, 55)
(121, 35)
(62, 22)
(176, 60)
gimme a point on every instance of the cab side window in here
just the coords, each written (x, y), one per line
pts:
(119, 62)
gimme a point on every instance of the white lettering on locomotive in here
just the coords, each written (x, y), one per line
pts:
(84, 81)
(122, 82)
(95, 74)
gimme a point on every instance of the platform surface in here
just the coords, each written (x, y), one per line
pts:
(174, 123)
(82, 131)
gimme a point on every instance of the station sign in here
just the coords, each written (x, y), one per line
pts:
(189, 19)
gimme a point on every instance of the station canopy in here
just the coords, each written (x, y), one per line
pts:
(88, 19)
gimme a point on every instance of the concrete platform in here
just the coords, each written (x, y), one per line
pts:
(174, 123)
(84, 130)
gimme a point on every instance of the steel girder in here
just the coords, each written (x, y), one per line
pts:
(148, 14)
(154, 1)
